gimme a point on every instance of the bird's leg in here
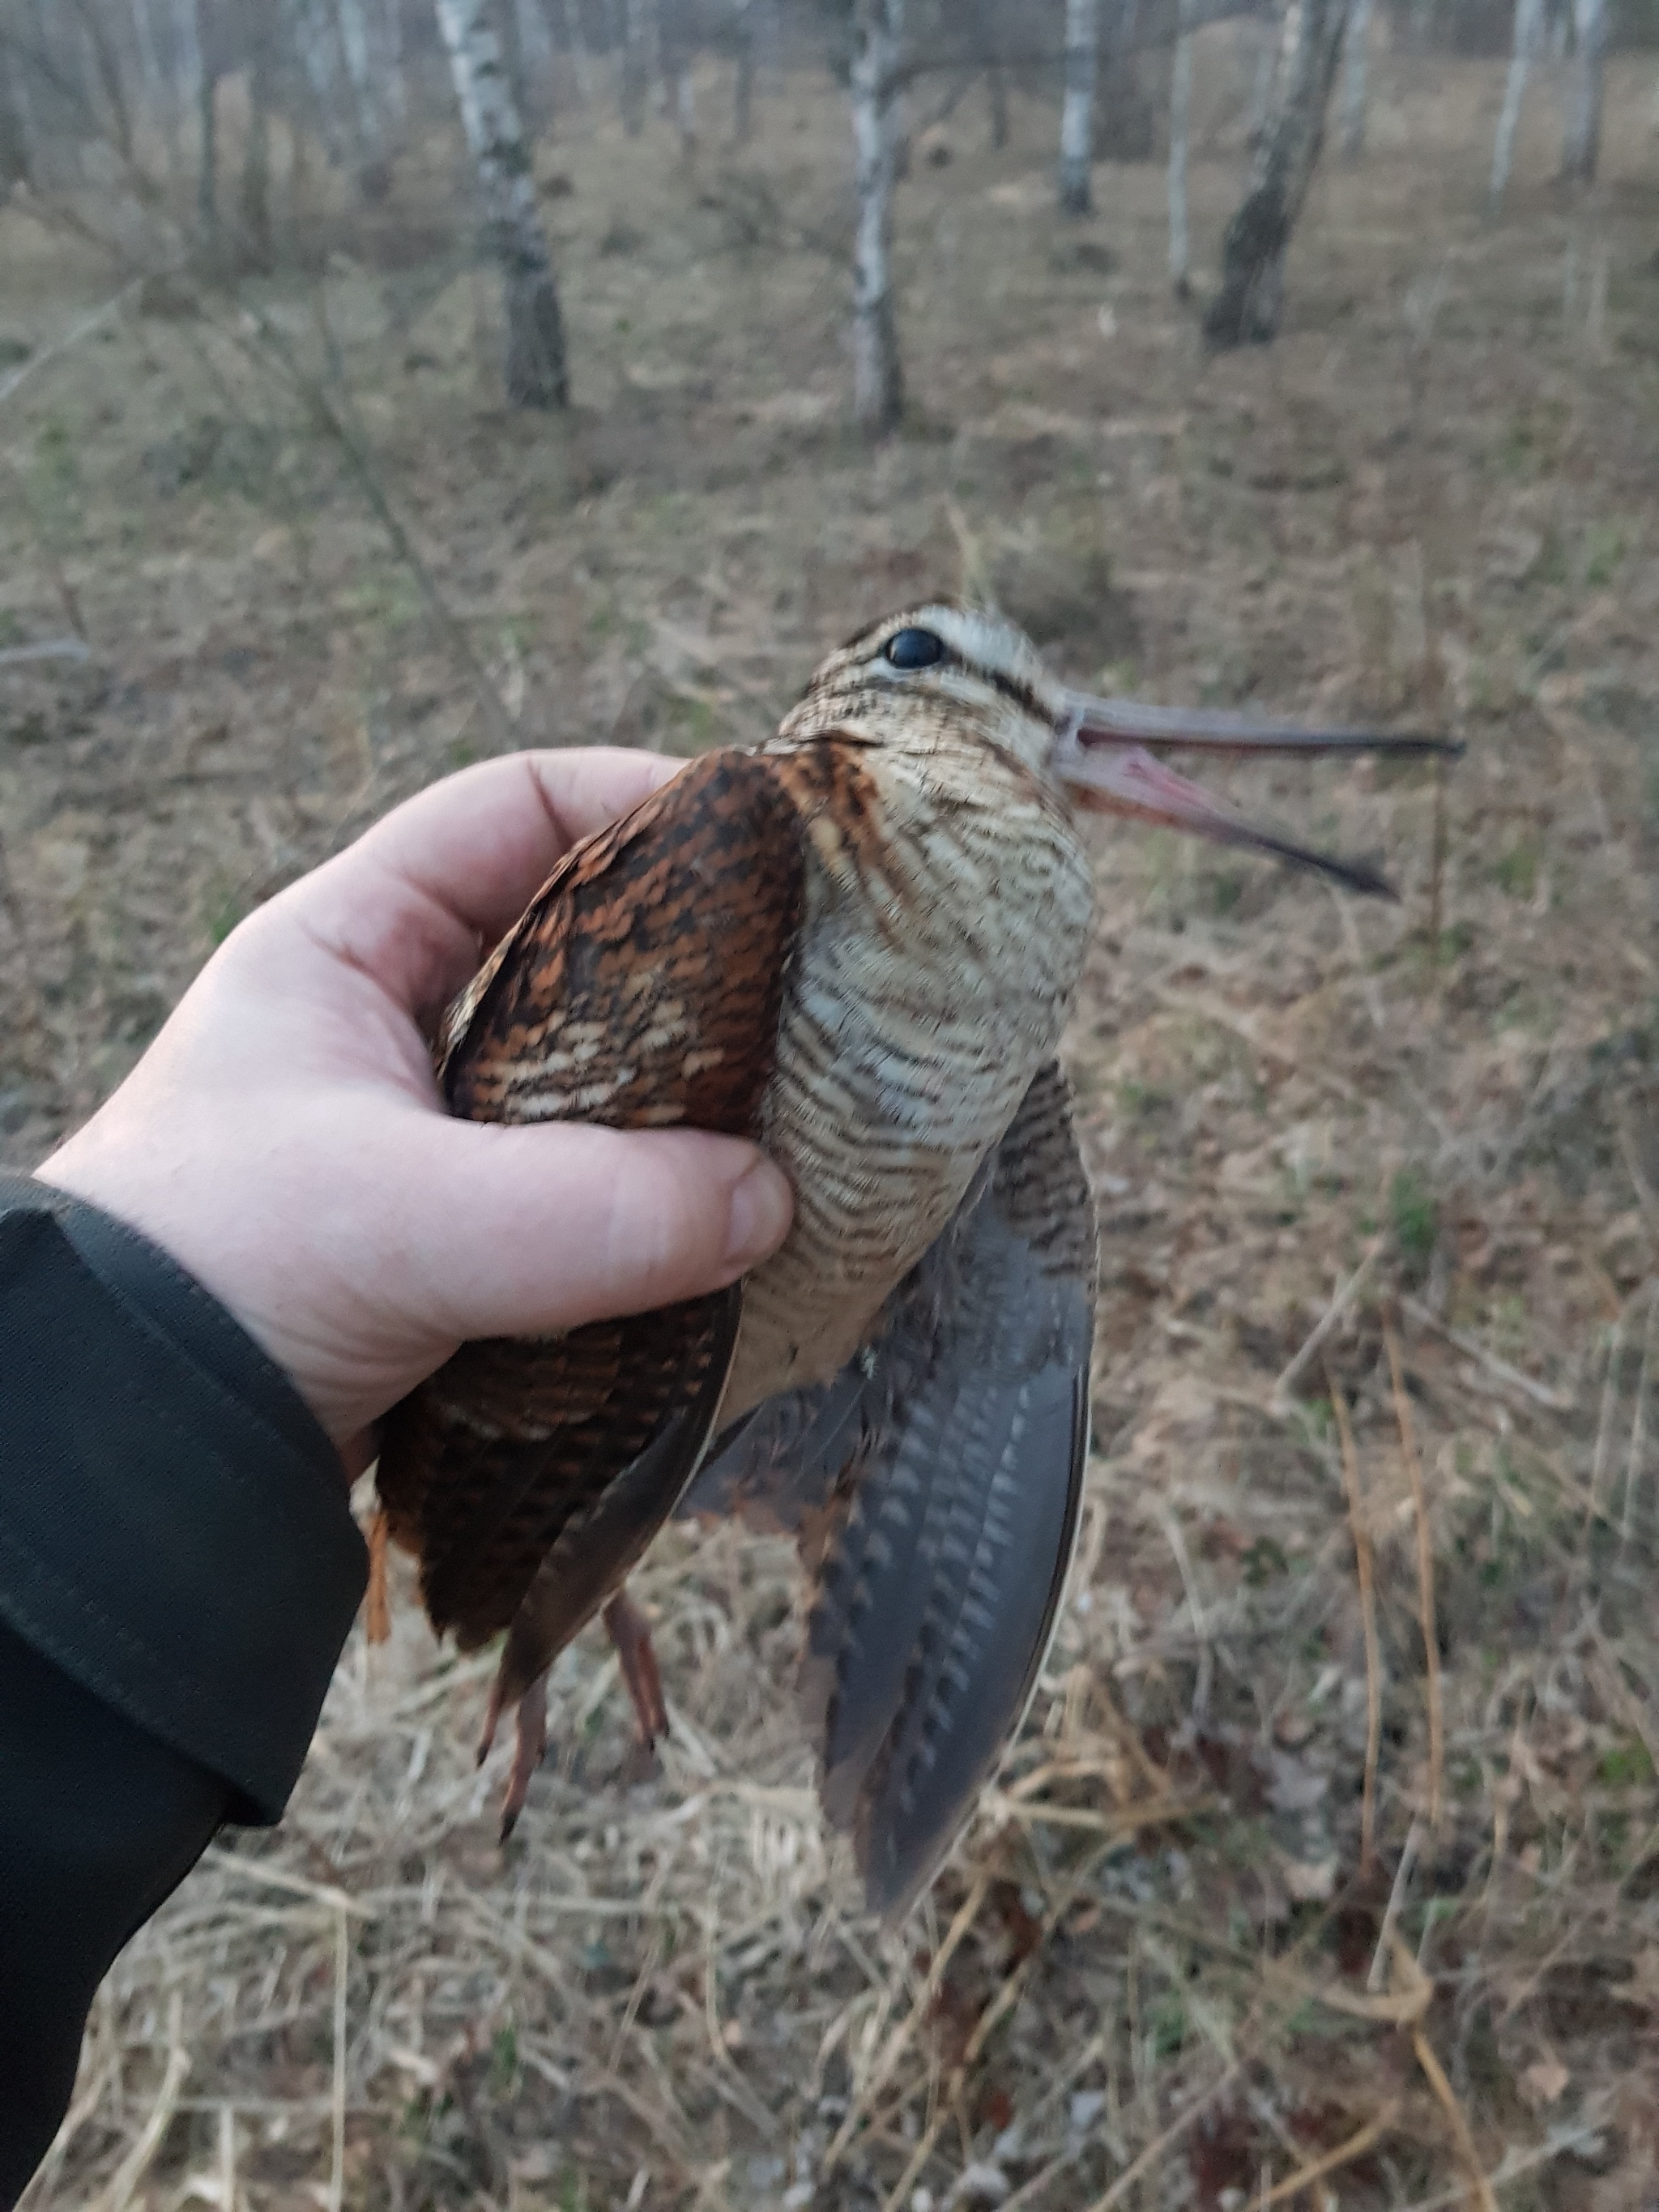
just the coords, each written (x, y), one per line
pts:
(630, 1632)
(529, 1746)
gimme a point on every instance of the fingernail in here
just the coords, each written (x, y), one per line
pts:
(761, 1204)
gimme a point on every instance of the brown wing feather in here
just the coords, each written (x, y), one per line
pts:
(640, 989)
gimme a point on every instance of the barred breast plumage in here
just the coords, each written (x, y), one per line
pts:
(945, 914)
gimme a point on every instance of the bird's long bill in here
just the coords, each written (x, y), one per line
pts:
(1103, 757)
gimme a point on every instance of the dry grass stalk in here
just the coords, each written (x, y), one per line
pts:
(901, 2036)
(1646, 1197)
(1481, 2189)
(81, 329)
(1364, 1571)
(1155, 2150)
(1636, 1456)
(1424, 1580)
(342, 1969)
(1395, 2007)
(129, 2175)
(1555, 1402)
(1279, 1397)
(1402, 1875)
(1361, 2140)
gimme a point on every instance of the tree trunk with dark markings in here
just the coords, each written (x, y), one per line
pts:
(1247, 309)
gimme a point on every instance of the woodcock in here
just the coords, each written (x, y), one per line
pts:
(858, 943)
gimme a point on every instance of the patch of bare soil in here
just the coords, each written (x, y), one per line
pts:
(1279, 1893)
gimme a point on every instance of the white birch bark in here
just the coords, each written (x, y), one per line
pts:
(1181, 104)
(1246, 310)
(392, 48)
(535, 41)
(253, 200)
(877, 376)
(581, 67)
(187, 52)
(361, 76)
(16, 128)
(207, 111)
(1077, 117)
(149, 60)
(1261, 86)
(1581, 144)
(1359, 38)
(104, 71)
(536, 371)
(635, 72)
(678, 53)
(769, 39)
(317, 41)
(742, 88)
(1528, 22)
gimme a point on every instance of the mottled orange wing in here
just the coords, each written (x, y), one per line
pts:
(640, 989)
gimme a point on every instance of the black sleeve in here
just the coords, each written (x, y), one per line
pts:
(178, 1569)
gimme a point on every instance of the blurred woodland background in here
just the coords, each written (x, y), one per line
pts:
(385, 384)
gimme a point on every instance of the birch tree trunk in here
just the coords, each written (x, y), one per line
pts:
(1261, 83)
(742, 89)
(207, 111)
(536, 371)
(678, 54)
(1077, 120)
(987, 32)
(253, 200)
(535, 42)
(1181, 102)
(312, 42)
(373, 174)
(1353, 80)
(1528, 22)
(878, 377)
(1246, 310)
(632, 87)
(106, 69)
(579, 67)
(186, 56)
(14, 128)
(396, 91)
(1581, 144)
(149, 61)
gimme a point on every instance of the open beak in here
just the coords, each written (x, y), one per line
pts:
(1102, 755)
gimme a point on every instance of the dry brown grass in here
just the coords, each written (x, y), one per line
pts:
(1161, 1971)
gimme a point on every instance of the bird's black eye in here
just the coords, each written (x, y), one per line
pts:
(914, 648)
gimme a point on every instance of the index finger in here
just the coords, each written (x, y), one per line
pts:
(482, 843)
(413, 900)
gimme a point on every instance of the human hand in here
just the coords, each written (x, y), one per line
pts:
(283, 1137)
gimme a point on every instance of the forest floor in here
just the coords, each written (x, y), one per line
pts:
(1163, 1968)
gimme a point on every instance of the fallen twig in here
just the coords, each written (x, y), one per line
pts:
(55, 648)
(1424, 1578)
(1557, 1401)
(1363, 1569)
(1345, 2154)
(1279, 1396)
(72, 337)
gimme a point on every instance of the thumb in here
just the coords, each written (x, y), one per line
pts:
(528, 1231)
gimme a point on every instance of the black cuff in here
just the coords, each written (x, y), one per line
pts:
(175, 1533)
